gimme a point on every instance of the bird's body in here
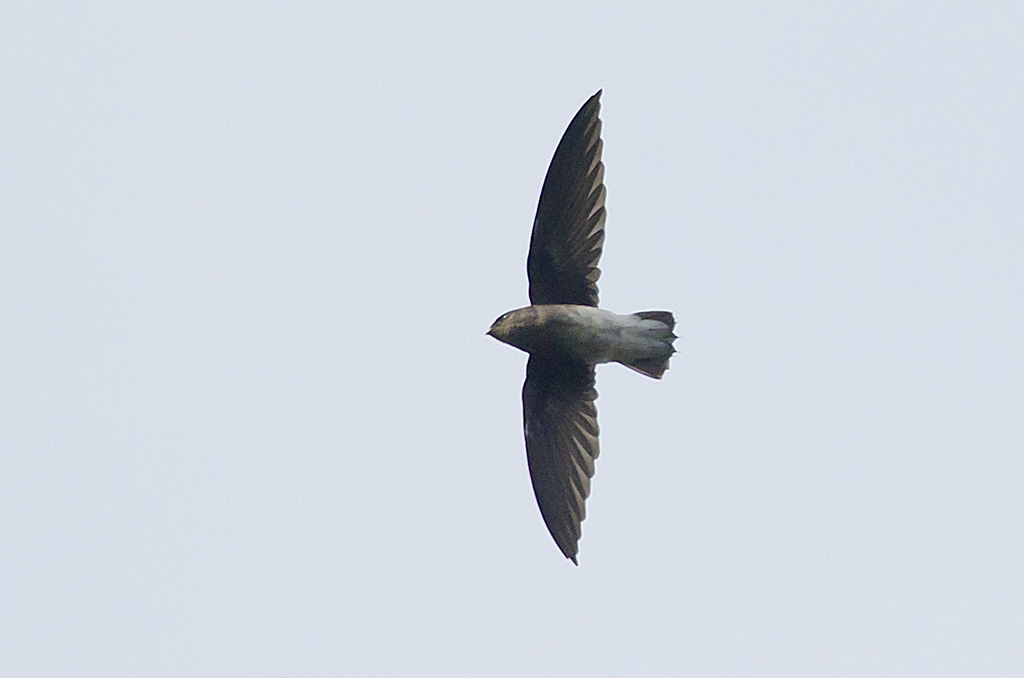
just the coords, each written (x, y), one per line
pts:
(642, 341)
(566, 334)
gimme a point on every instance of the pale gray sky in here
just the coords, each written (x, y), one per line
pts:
(251, 424)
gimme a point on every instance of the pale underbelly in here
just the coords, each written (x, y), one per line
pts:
(594, 335)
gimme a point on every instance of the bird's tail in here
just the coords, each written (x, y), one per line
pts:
(660, 335)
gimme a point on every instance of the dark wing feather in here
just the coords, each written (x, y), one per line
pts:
(560, 422)
(568, 231)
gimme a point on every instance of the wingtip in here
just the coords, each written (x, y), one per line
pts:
(574, 561)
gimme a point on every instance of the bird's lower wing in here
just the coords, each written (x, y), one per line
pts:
(560, 423)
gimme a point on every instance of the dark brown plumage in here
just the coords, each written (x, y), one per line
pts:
(560, 423)
(568, 231)
(566, 334)
(559, 414)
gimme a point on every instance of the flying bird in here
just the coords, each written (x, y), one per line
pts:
(566, 334)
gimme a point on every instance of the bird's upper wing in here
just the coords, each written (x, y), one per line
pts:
(560, 422)
(568, 231)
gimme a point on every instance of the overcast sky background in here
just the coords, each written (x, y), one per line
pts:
(251, 424)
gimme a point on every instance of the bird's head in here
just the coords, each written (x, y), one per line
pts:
(514, 327)
(502, 327)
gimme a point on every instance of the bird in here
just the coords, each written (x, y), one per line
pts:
(565, 333)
